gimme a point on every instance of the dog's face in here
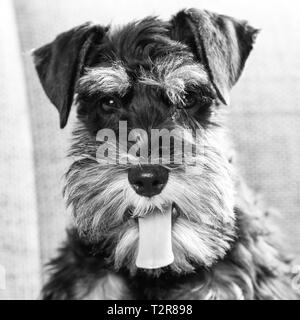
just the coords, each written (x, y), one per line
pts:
(153, 75)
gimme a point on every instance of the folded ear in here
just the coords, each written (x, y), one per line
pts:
(61, 62)
(220, 42)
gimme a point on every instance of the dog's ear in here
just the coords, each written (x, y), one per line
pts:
(220, 42)
(61, 62)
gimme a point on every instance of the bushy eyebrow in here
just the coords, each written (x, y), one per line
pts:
(175, 77)
(107, 80)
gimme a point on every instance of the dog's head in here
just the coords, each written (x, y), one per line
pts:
(150, 74)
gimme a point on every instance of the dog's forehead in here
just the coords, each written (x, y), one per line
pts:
(142, 53)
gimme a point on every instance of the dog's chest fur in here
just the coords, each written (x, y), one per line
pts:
(253, 269)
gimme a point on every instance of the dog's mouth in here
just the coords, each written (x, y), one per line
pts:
(155, 237)
(176, 212)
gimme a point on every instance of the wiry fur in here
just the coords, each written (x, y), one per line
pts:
(102, 198)
(174, 75)
(105, 79)
(253, 268)
(222, 243)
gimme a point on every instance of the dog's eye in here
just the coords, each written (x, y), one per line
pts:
(190, 101)
(109, 104)
(205, 102)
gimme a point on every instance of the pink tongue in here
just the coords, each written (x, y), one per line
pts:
(155, 242)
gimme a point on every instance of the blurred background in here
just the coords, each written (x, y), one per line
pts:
(264, 122)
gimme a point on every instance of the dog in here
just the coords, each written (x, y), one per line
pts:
(191, 230)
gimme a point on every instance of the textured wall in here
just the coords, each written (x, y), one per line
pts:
(19, 245)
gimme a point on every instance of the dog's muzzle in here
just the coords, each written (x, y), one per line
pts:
(148, 180)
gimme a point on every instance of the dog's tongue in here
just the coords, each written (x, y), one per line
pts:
(155, 243)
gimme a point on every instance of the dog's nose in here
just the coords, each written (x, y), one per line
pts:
(148, 180)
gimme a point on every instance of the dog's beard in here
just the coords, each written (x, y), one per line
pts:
(106, 209)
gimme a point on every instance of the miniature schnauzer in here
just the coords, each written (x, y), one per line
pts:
(158, 230)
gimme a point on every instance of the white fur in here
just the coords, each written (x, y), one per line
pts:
(174, 77)
(106, 79)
